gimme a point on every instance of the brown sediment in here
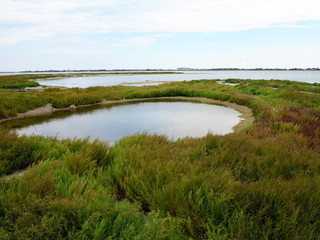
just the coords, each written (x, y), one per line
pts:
(246, 113)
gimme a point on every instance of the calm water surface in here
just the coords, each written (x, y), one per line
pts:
(110, 80)
(174, 119)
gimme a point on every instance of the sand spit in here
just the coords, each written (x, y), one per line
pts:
(147, 82)
(41, 88)
(246, 113)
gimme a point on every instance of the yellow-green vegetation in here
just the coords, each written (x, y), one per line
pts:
(260, 183)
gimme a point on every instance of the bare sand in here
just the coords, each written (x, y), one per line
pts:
(147, 82)
(226, 83)
(246, 113)
(41, 88)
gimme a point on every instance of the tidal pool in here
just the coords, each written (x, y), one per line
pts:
(171, 118)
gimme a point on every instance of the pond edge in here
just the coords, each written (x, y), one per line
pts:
(246, 113)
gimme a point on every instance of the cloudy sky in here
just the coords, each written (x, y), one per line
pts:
(114, 34)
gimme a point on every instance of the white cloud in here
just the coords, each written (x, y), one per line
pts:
(34, 19)
(79, 51)
(207, 45)
(18, 34)
(138, 41)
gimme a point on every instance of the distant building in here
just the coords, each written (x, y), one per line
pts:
(184, 69)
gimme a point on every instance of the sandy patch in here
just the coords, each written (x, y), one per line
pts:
(41, 88)
(15, 174)
(147, 82)
(307, 92)
(226, 83)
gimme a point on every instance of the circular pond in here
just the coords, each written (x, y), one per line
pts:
(171, 118)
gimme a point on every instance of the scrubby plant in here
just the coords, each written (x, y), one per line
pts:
(260, 183)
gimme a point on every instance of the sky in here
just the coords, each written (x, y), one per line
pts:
(167, 34)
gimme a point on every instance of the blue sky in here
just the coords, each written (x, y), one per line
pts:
(110, 34)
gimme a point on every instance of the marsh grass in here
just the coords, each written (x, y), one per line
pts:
(206, 181)
(65, 195)
(260, 183)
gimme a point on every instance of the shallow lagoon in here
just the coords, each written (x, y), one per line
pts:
(148, 79)
(175, 119)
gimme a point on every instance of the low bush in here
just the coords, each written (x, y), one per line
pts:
(260, 183)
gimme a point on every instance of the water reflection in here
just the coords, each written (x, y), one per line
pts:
(172, 118)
